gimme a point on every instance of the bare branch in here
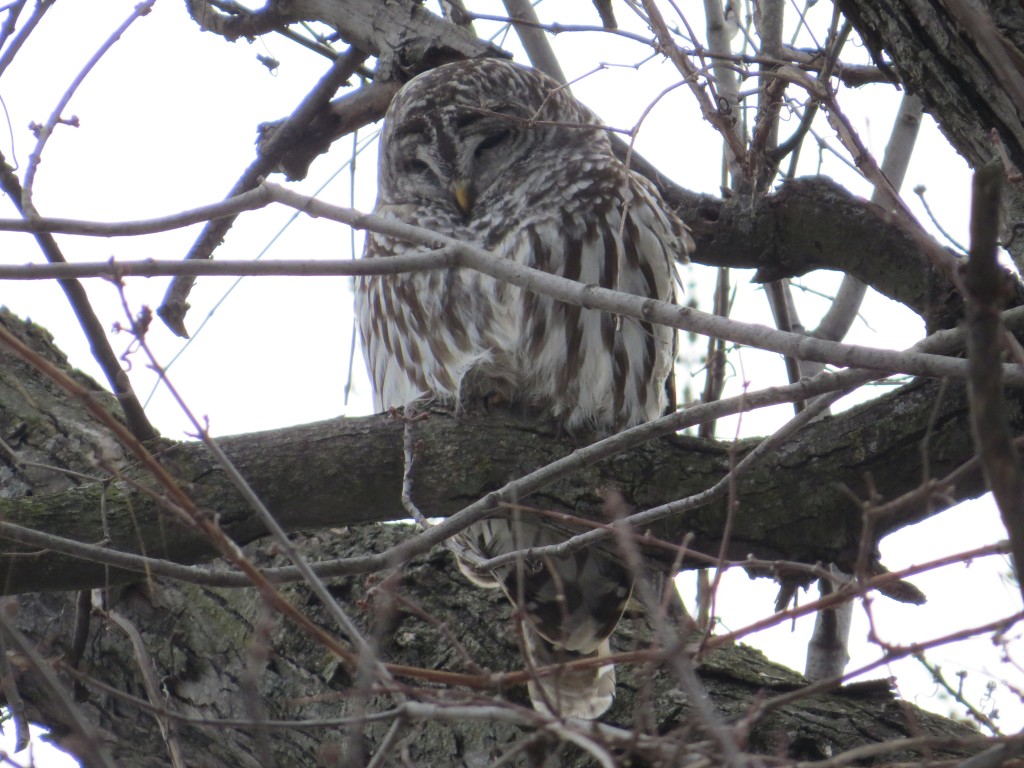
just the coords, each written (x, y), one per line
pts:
(93, 329)
(150, 681)
(841, 314)
(14, 43)
(723, 122)
(593, 297)
(809, 224)
(175, 304)
(684, 318)
(987, 289)
(44, 131)
(537, 47)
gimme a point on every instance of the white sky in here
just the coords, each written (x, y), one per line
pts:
(168, 121)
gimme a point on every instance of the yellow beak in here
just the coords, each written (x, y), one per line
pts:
(463, 195)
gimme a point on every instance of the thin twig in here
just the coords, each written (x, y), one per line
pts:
(409, 451)
(957, 695)
(542, 56)
(919, 190)
(90, 747)
(725, 124)
(15, 704)
(888, 657)
(150, 682)
(680, 659)
(40, 8)
(714, 376)
(44, 131)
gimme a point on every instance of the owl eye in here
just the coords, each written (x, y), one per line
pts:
(492, 141)
(417, 167)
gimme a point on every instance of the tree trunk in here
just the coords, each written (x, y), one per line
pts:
(206, 645)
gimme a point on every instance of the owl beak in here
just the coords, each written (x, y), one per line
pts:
(463, 194)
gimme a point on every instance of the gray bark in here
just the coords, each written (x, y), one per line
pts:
(349, 472)
(204, 643)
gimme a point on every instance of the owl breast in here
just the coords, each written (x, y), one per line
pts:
(458, 334)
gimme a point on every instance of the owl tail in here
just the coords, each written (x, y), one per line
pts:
(585, 692)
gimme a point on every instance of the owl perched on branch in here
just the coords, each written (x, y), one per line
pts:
(504, 157)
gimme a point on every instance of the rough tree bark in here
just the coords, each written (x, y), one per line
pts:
(206, 643)
(222, 657)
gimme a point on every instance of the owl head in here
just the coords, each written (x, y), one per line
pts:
(456, 134)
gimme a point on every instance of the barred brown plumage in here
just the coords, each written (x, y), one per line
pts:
(503, 157)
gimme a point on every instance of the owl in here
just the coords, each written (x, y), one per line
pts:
(503, 157)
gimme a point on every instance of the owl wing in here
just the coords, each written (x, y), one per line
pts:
(441, 334)
(596, 372)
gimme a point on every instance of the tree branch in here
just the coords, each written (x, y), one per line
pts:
(987, 289)
(307, 699)
(966, 62)
(313, 488)
(174, 307)
(811, 223)
(593, 297)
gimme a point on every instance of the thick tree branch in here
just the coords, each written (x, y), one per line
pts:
(349, 471)
(342, 116)
(403, 29)
(815, 224)
(966, 62)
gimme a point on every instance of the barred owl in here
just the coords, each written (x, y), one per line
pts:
(501, 156)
